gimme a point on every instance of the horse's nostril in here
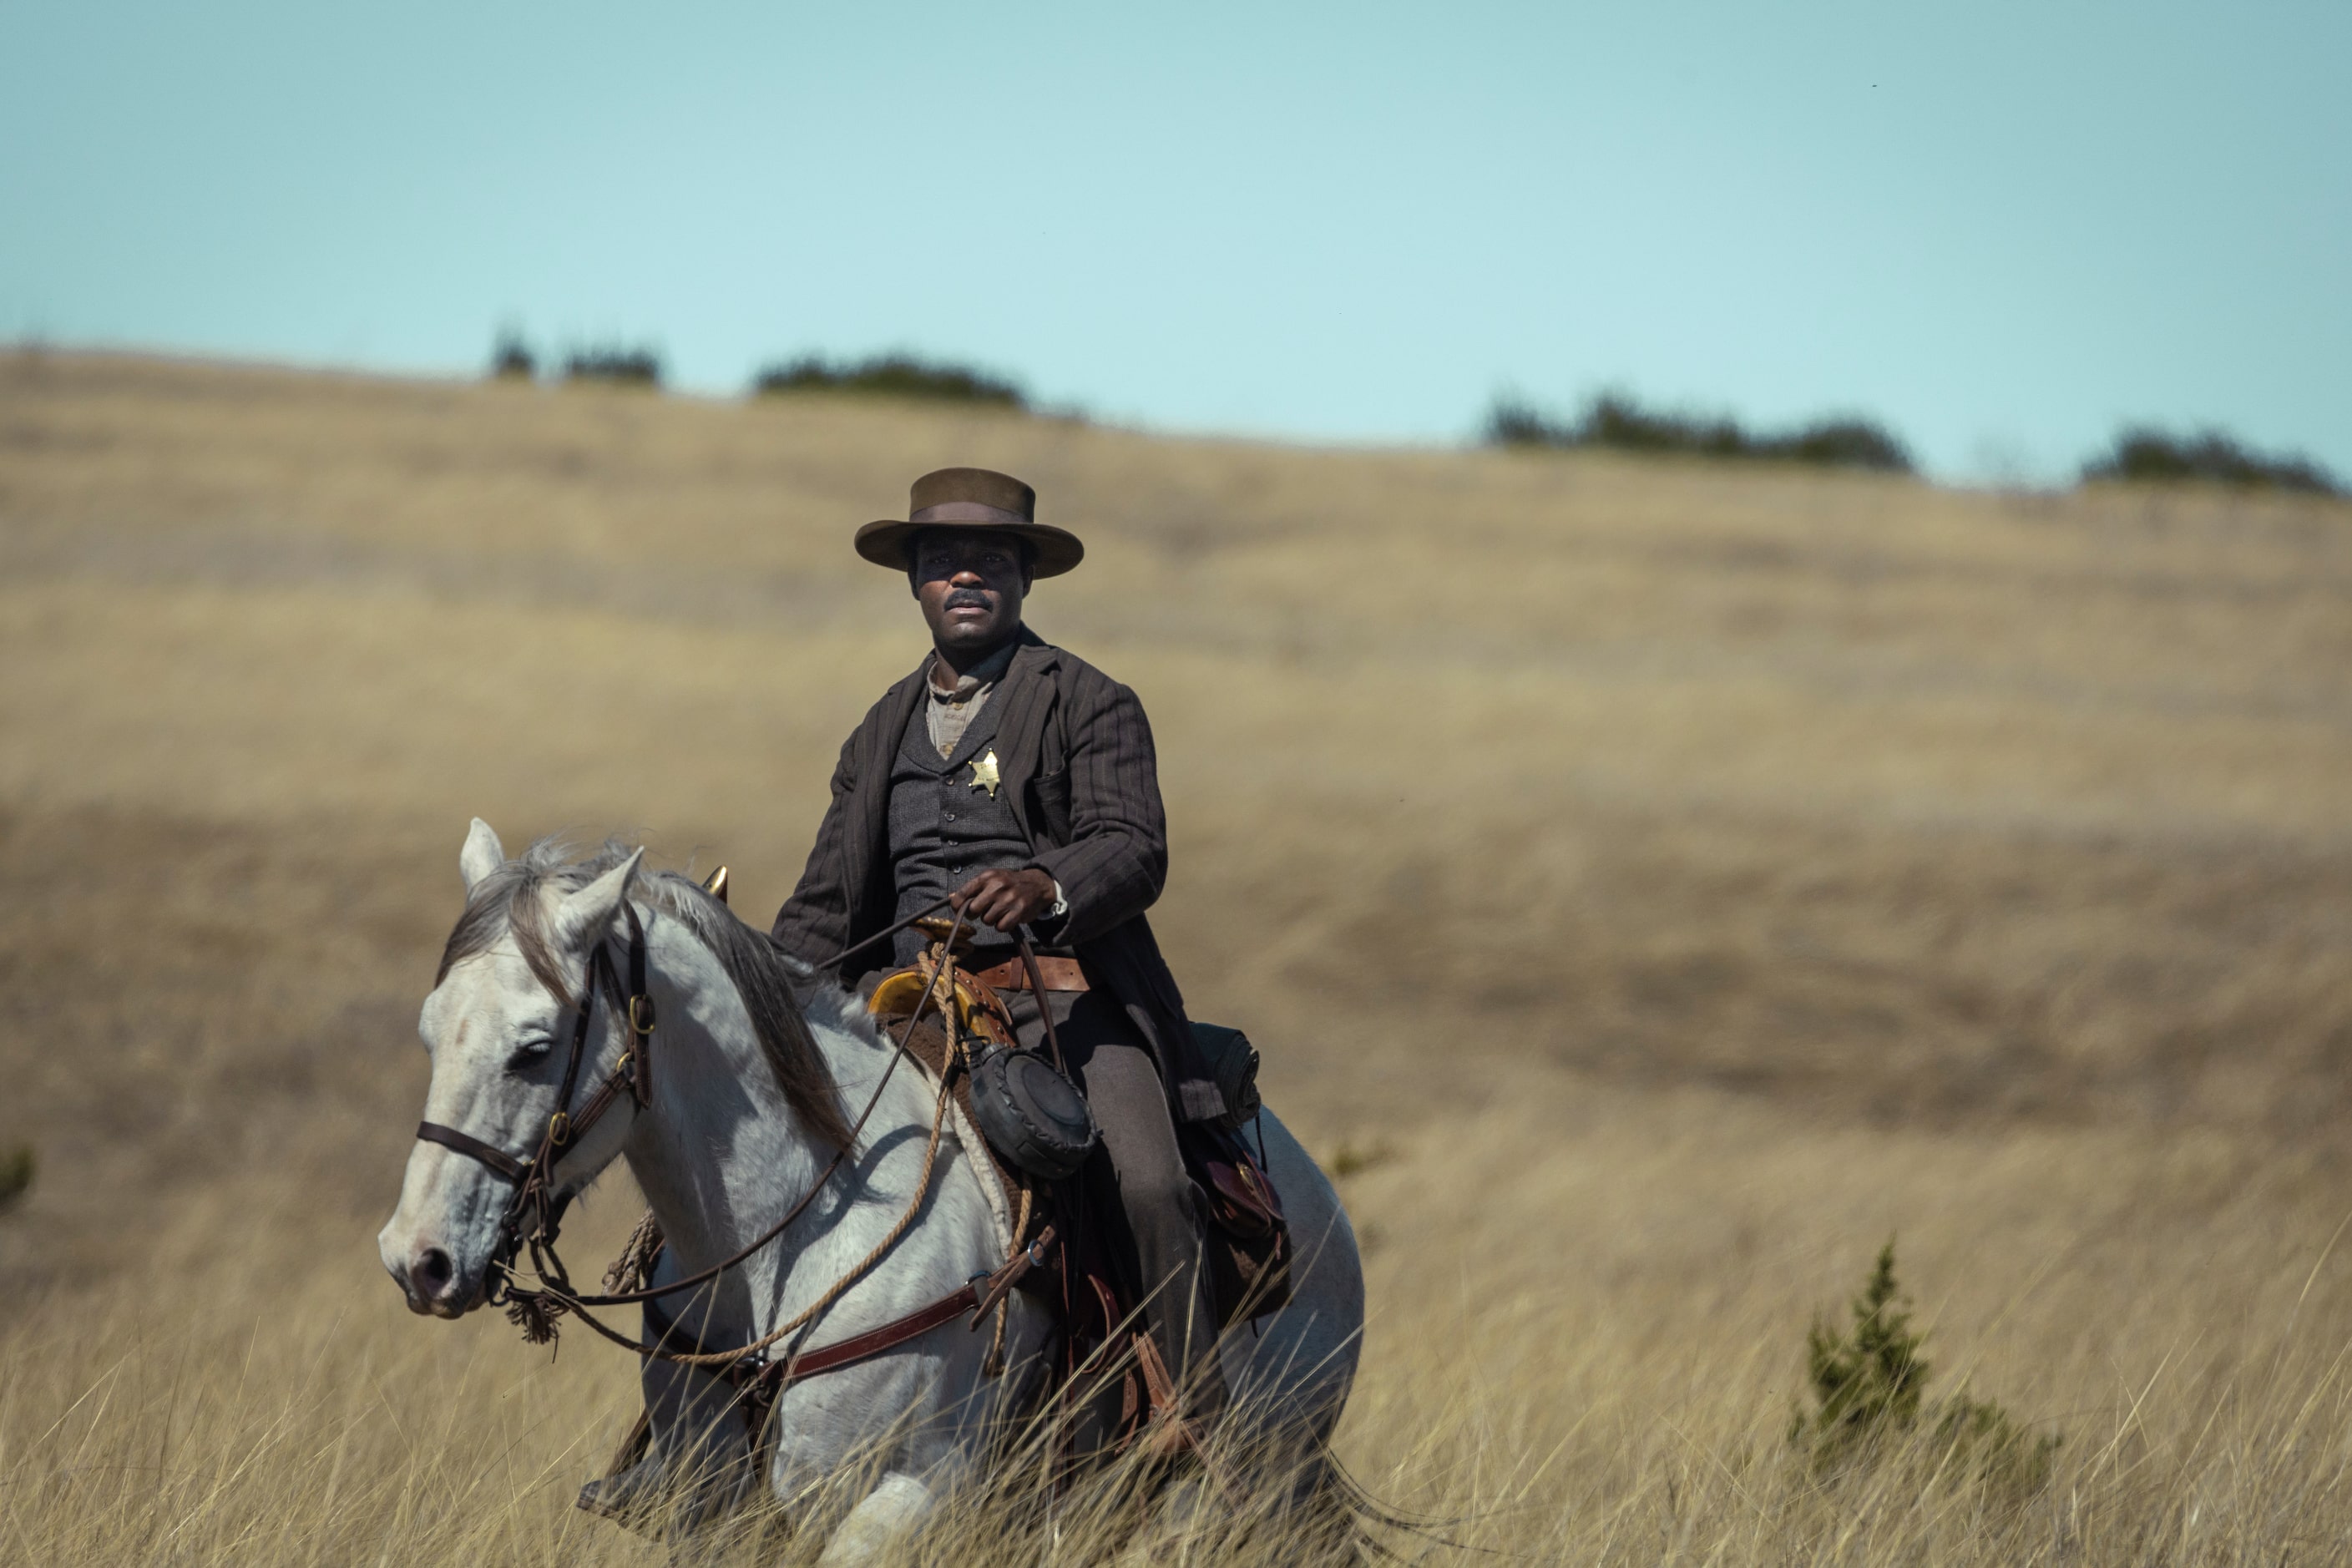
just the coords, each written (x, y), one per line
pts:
(432, 1272)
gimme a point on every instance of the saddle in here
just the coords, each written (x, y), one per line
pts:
(1070, 1225)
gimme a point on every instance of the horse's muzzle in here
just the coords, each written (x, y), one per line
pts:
(429, 1277)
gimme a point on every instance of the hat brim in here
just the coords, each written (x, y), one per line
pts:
(884, 542)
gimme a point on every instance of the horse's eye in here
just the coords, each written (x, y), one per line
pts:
(525, 1054)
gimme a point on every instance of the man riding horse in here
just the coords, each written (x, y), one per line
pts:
(841, 1343)
(1017, 780)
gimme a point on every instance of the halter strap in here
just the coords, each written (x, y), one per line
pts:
(498, 1160)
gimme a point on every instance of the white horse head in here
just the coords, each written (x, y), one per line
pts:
(742, 1074)
(497, 1026)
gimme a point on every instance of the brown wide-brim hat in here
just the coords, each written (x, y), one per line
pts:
(975, 499)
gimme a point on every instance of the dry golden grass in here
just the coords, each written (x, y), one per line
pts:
(1665, 882)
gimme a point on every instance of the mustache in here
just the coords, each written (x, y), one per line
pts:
(968, 599)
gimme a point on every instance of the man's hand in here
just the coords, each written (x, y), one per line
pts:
(1005, 899)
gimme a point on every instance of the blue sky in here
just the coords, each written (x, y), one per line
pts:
(2001, 229)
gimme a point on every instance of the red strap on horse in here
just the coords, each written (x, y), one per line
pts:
(874, 1341)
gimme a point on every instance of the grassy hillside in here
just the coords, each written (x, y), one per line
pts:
(1664, 880)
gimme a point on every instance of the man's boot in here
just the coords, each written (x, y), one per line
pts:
(1184, 1368)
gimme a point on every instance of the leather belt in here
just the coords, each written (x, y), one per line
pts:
(1060, 974)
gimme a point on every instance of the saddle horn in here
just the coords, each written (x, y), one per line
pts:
(716, 884)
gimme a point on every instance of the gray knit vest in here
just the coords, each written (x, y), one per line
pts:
(944, 828)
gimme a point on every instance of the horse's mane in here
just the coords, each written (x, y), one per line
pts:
(768, 979)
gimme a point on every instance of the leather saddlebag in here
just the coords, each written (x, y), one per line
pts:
(1248, 1240)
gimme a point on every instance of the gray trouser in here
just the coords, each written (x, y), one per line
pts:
(1111, 1063)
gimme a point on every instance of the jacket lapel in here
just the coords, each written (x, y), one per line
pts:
(1028, 697)
(869, 840)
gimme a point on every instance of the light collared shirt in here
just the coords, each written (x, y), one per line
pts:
(953, 707)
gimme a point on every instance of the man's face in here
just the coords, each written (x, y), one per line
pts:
(970, 585)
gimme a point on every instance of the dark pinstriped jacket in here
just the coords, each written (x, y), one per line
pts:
(1075, 752)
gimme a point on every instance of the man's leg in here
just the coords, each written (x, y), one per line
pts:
(1163, 1213)
(1163, 1208)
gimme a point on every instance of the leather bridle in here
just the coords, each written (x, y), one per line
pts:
(536, 1210)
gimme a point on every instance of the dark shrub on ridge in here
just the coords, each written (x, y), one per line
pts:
(1620, 423)
(511, 359)
(2145, 456)
(614, 365)
(1846, 443)
(1616, 423)
(890, 375)
(1511, 422)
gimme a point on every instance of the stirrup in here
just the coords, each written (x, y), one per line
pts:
(1168, 1435)
(651, 1500)
(627, 1496)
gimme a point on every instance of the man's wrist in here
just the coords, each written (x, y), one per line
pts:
(1060, 903)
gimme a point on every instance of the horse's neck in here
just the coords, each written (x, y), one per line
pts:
(720, 1155)
(717, 1145)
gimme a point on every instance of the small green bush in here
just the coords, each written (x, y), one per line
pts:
(1615, 422)
(2143, 456)
(17, 1169)
(614, 365)
(890, 375)
(1869, 1385)
(1867, 1381)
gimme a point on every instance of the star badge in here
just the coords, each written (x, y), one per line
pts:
(983, 774)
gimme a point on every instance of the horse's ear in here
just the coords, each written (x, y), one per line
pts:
(482, 855)
(588, 913)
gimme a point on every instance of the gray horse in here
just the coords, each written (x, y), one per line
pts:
(755, 1065)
